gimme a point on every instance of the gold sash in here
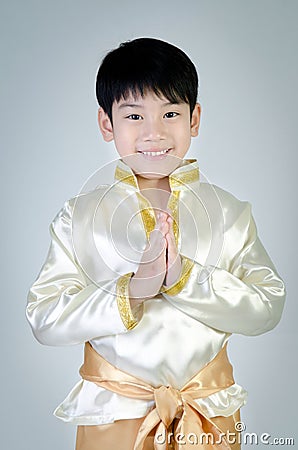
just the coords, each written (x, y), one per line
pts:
(171, 405)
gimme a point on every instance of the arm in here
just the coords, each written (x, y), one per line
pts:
(246, 296)
(63, 308)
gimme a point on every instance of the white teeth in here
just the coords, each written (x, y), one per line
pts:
(162, 152)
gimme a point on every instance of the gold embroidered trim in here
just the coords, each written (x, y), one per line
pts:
(187, 265)
(148, 220)
(147, 213)
(125, 177)
(123, 303)
(178, 179)
(173, 206)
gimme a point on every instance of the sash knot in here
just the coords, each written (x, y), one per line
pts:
(169, 403)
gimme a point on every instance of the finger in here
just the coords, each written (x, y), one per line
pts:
(162, 225)
(171, 244)
(170, 220)
(157, 241)
(162, 215)
(157, 235)
(155, 251)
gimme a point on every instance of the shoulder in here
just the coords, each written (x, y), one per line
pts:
(233, 209)
(228, 199)
(86, 201)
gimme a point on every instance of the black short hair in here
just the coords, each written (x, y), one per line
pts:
(142, 65)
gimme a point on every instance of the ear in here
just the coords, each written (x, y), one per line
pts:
(105, 125)
(195, 120)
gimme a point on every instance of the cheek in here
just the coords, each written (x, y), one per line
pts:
(124, 141)
(183, 143)
(120, 135)
(124, 133)
(184, 136)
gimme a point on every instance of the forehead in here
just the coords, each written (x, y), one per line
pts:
(148, 98)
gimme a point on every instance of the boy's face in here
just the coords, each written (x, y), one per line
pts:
(150, 131)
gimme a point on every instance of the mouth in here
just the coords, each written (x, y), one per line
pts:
(159, 154)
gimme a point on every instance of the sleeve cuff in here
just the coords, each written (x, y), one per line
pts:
(174, 289)
(123, 303)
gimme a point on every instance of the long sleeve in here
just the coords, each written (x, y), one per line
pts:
(64, 307)
(243, 294)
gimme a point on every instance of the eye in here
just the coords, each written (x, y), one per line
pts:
(134, 117)
(170, 115)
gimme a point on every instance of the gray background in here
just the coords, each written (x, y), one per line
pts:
(246, 53)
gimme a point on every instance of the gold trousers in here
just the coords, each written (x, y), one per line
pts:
(122, 434)
(176, 421)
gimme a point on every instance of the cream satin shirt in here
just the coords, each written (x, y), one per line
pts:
(228, 285)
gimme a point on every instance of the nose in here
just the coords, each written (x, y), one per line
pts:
(154, 130)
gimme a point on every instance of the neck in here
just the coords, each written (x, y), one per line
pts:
(160, 183)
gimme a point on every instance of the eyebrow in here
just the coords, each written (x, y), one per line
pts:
(138, 105)
(130, 105)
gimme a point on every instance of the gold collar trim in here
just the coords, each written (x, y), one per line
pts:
(186, 174)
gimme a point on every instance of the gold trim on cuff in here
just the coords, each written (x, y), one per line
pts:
(187, 265)
(123, 302)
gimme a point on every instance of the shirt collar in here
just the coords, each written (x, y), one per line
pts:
(185, 175)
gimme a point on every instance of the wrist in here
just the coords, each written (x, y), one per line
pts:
(176, 287)
(142, 288)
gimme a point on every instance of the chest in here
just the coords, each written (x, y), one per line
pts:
(113, 232)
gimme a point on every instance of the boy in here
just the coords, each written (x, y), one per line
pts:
(154, 273)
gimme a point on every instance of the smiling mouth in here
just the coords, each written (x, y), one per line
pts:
(156, 153)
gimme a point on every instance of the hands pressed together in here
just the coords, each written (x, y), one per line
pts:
(160, 264)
